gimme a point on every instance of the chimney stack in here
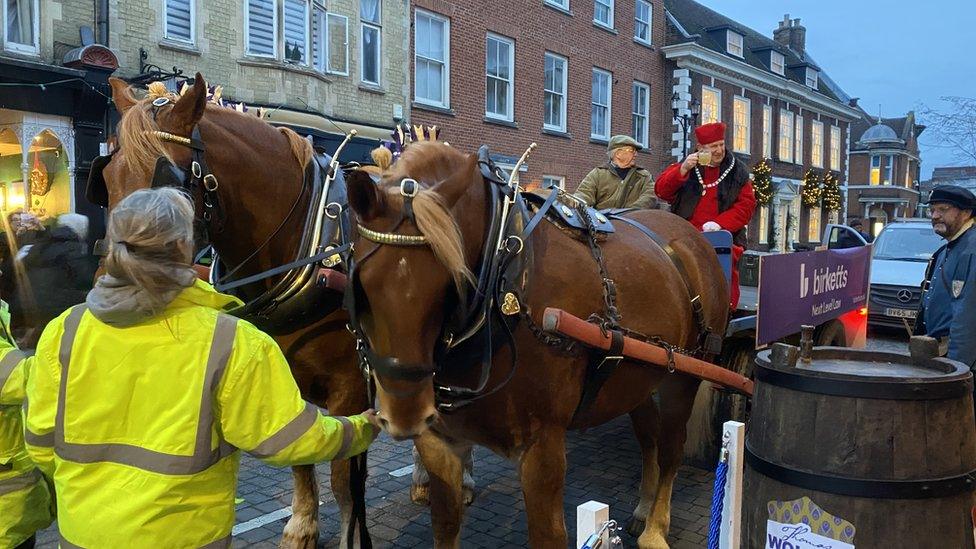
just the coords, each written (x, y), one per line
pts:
(792, 34)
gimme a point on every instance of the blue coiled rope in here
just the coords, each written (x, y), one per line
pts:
(718, 498)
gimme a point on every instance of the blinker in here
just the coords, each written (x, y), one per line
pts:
(167, 175)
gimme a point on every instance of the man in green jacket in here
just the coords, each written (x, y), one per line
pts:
(619, 183)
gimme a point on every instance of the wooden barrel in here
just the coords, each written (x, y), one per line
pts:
(858, 444)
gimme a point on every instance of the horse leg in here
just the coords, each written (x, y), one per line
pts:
(677, 399)
(645, 420)
(420, 484)
(543, 474)
(302, 530)
(444, 467)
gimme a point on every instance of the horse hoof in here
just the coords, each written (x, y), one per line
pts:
(636, 527)
(420, 494)
(467, 496)
(289, 541)
(652, 540)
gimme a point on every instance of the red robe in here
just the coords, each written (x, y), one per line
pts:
(733, 219)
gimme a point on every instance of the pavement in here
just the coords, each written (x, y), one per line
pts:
(604, 465)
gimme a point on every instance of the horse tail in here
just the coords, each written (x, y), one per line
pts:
(300, 147)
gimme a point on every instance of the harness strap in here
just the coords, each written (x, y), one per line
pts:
(698, 311)
(599, 368)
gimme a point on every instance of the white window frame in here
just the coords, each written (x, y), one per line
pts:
(767, 135)
(817, 144)
(33, 49)
(560, 181)
(509, 115)
(308, 33)
(646, 115)
(785, 135)
(718, 104)
(193, 23)
(649, 22)
(812, 78)
(328, 45)
(763, 225)
(777, 62)
(798, 140)
(814, 222)
(835, 148)
(363, 25)
(561, 4)
(606, 3)
(563, 95)
(888, 170)
(608, 106)
(739, 100)
(275, 21)
(446, 80)
(734, 40)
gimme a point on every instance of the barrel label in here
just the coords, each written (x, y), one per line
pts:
(802, 524)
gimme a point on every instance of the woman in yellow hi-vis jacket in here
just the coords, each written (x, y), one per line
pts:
(25, 503)
(140, 398)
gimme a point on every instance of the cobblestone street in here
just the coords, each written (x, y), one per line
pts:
(604, 465)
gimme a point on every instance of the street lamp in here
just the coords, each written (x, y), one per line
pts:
(686, 120)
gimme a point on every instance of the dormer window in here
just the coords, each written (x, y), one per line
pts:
(733, 43)
(777, 63)
(812, 78)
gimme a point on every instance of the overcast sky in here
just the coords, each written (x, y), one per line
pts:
(895, 55)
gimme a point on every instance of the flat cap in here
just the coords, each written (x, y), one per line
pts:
(618, 141)
(960, 197)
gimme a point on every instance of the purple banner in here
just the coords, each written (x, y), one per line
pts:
(809, 288)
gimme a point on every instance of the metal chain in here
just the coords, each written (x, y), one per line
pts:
(612, 318)
(562, 343)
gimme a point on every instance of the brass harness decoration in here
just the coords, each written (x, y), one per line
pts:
(392, 239)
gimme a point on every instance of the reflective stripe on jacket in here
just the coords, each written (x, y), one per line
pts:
(25, 503)
(139, 426)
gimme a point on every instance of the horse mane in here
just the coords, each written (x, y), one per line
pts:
(433, 218)
(143, 146)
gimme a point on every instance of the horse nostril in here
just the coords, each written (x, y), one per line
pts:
(385, 424)
(430, 419)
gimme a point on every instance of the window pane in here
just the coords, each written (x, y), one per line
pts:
(710, 106)
(20, 22)
(295, 28)
(338, 43)
(740, 128)
(602, 10)
(178, 25)
(371, 54)
(642, 21)
(318, 38)
(369, 11)
(261, 34)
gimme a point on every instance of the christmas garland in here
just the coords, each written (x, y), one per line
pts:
(762, 182)
(831, 192)
(812, 191)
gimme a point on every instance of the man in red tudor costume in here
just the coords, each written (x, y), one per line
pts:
(712, 190)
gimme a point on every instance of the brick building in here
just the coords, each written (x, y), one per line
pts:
(885, 167)
(779, 105)
(320, 68)
(52, 113)
(563, 73)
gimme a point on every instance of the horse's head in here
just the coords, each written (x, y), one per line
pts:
(153, 141)
(413, 257)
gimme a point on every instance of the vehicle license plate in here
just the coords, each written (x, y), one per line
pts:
(900, 313)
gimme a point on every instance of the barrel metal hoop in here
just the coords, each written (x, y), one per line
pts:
(942, 389)
(862, 488)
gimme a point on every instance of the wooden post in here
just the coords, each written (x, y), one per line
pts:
(733, 438)
(590, 517)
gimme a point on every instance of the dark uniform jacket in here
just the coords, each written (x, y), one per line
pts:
(949, 303)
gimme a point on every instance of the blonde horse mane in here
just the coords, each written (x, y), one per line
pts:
(143, 146)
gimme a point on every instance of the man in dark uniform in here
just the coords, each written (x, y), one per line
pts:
(949, 298)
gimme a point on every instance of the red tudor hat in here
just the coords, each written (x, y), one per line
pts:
(710, 133)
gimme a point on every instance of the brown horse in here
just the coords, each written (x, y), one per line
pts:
(260, 173)
(406, 291)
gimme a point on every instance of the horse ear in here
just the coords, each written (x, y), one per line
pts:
(121, 95)
(365, 197)
(189, 108)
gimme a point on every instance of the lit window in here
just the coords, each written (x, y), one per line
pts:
(600, 105)
(711, 105)
(642, 96)
(499, 67)
(777, 62)
(767, 129)
(603, 12)
(785, 135)
(812, 78)
(554, 96)
(813, 229)
(908, 174)
(22, 25)
(179, 21)
(875, 169)
(741, 130)
(370, 39)
(764, 224)
(431, 59)
(642, 21)
(816, 144)
(733, 43)
(835, 148)
(798, 154)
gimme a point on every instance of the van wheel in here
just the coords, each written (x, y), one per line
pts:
(832, 335)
